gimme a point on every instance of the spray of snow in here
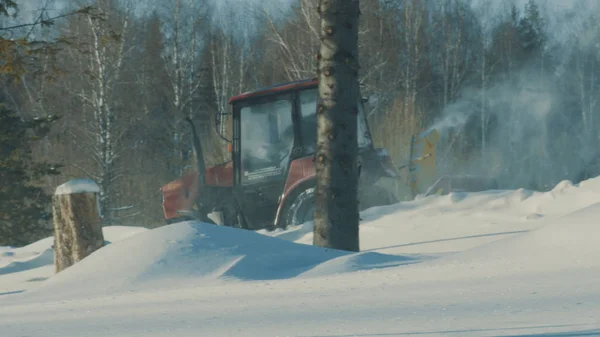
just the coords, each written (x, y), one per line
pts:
(529, 139)
(455, 115)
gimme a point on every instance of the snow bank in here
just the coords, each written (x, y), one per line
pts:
(566, 244)
(494, 263)
(40, 253)
(36, 261)
(445, 227)
(192, 253)
(78, 186)
(440, 225)
(25, 260)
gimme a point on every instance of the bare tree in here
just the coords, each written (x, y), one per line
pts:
(413, 26)
(379, 42)
(182, 54)
(336, 216)
(585, 61)
(485, 69)
(96, 123)
(452, 38)
(296, 41)
(221, 49)
(230, 61)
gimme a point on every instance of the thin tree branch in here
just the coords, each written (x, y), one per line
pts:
(49, 21)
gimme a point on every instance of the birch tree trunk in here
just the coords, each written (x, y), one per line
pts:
(183, 49)
(483, 106)
(336, 214)
(106, 69)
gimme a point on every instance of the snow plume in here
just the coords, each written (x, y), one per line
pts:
(538, 121)
(532, 136)
(456, 114)
(514, 102)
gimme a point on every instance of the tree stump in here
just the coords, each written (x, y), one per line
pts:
(77, 222)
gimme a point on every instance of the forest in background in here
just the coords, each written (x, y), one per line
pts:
(509, 97)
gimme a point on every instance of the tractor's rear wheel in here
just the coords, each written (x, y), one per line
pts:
(179, 219)
(300, 210)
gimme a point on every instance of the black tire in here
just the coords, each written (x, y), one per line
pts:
(299, 210)
(302, 208)
(239, 221)
(179, 219)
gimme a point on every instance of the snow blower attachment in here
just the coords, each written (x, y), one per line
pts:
(422, 162)
(424, 178)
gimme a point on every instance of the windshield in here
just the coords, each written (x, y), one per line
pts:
(308, 127)
(267, 137)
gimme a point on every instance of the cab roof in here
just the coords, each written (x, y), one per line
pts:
(277, 88)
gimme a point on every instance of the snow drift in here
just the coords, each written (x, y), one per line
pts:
(460, 221)
(493, 263)
(566, 244)
(193, 253)
(22, 268)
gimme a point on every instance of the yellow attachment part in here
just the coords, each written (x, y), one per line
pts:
(422, 170)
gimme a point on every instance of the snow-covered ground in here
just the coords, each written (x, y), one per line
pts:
(495, 263)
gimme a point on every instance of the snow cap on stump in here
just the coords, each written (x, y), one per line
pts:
(78, 186)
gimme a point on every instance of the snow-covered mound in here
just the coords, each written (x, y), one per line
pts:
(565, 244)
(40, 253)
(494, 263)
(191, 253)
(459, 221)
(35, 262)
(35, 255)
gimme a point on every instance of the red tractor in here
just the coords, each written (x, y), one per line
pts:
(269, 181)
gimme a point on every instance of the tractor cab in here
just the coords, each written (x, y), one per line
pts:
(274, 126)
(270, 179)
(275, 129)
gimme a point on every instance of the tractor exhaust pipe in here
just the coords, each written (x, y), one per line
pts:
(204, 214)
(198, 154)
(202, 196)
(177, 200)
